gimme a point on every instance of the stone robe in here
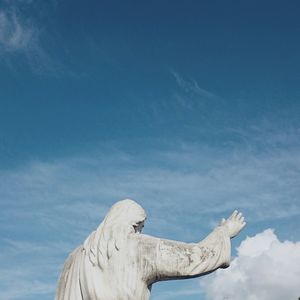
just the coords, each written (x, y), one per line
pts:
(140, 262)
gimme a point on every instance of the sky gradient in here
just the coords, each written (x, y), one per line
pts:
(190, 108)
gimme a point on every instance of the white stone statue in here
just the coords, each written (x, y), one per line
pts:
(117, 262)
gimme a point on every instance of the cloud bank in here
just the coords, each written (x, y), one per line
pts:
(265, 268)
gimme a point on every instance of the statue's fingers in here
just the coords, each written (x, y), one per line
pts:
(234, 214)
(242, 219)
(243, 225)
(239, 216)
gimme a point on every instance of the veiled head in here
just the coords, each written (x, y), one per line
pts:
(126, 214)
(124, 218)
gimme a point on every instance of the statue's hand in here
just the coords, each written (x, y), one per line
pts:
(234, 224)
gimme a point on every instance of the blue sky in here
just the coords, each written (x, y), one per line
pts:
(190, 108)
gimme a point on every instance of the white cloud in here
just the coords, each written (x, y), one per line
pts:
(265, 268)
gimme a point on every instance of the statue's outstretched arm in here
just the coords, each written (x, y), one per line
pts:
(176, 260)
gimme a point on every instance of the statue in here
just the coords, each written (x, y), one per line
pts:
(118, 262)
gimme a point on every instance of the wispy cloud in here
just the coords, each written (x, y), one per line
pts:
(190, 94)
(20, 36)
(15, 34)
(26, 289)
(192, 86)
(27, 268)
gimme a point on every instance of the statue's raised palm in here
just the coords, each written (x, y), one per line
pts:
(234, 224)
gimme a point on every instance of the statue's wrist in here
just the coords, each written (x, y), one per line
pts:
(226, 229)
